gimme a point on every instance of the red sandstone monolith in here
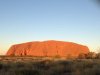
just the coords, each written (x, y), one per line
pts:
(47, 48)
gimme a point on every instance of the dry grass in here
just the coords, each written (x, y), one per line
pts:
(51, 67)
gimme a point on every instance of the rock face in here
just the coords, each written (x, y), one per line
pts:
(47, 48)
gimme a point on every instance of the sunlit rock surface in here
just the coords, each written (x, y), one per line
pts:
(47, 48)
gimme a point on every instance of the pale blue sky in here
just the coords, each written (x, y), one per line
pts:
(67, 20)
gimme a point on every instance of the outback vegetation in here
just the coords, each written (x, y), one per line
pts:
(66, 67)
(85, 64)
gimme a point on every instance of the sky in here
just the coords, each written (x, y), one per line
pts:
(38, 20)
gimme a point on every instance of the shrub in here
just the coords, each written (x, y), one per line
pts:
(65, 67)
(82, 56)
(91, 55)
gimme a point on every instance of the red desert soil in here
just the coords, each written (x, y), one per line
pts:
(47, 48)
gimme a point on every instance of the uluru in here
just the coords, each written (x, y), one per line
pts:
(47, 48)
